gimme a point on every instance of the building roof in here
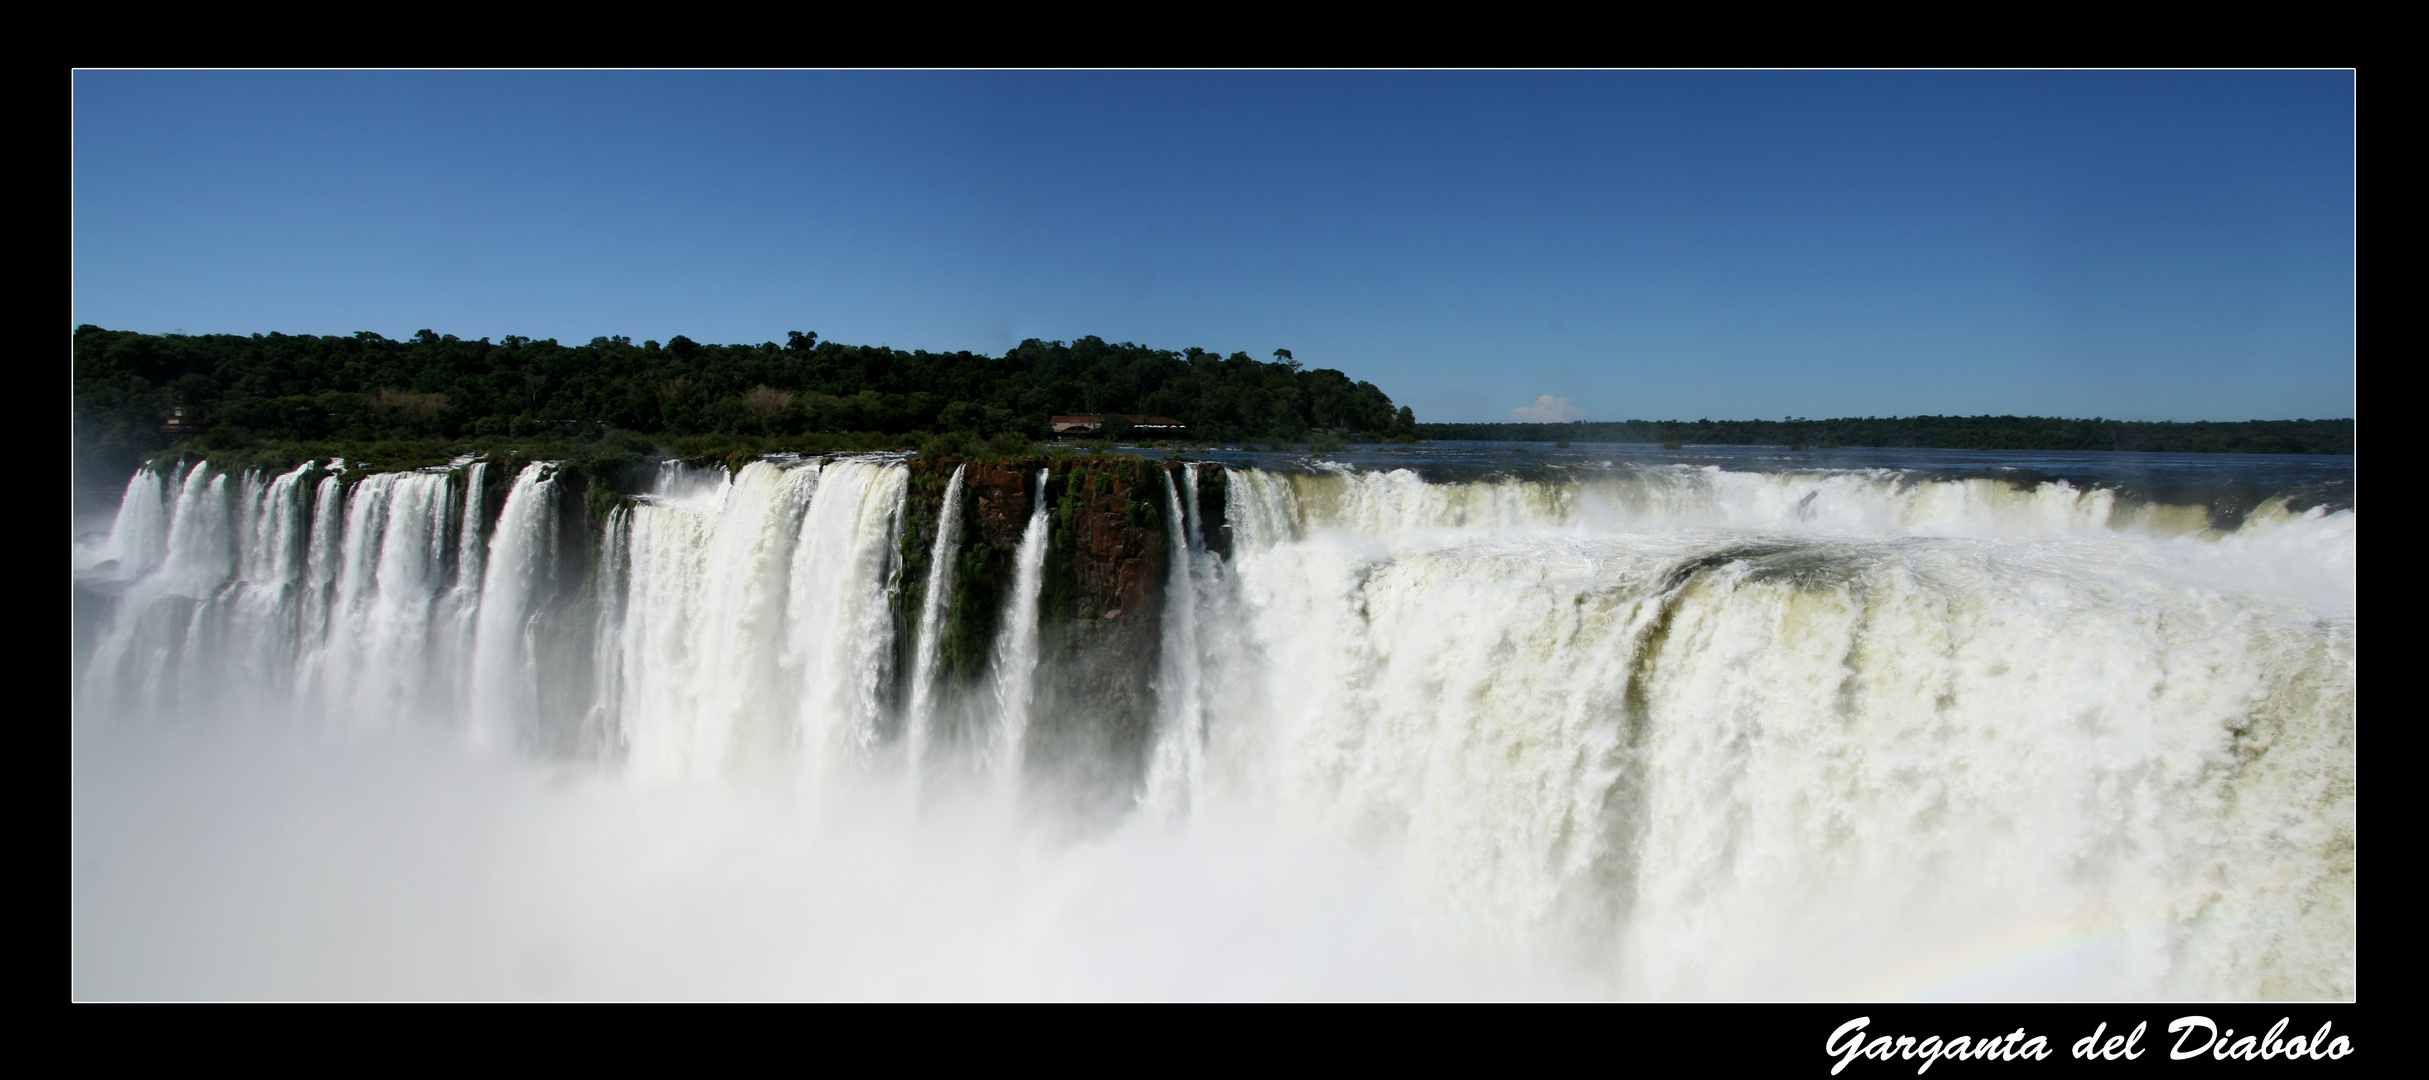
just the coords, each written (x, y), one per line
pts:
(1068, 423)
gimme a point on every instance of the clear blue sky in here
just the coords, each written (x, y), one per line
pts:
(1608, 246)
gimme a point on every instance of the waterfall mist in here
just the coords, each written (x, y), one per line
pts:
(850, 727)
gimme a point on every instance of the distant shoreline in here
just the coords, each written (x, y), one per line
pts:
(2331, 436)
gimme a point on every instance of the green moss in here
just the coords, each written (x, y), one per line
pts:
(601, 502)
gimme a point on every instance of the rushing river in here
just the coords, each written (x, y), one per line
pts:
(1451, 721)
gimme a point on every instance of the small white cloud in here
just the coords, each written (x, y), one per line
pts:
(1547, 410)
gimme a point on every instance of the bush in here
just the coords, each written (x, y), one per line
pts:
(957, 444)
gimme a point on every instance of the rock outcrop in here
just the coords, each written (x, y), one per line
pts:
(1101, 602)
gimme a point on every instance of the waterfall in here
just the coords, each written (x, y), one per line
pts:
(603, 725)
(1860, 501)
(322, 554)
(139, 535)
(1675, 729)
(261, 627)
(1261, 507)
(1174, 772)
(1680, 732)
(522, 554)
(932, 607)
(274, 596)
(1015, 662)
(455, 618)
(172, 569)
(199, 555)
(399, 613)
(701, 660)
(840, 627)
(462, 607)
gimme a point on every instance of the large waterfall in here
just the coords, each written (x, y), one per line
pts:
(1661, 731)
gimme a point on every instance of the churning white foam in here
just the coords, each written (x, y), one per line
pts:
(1683, 734)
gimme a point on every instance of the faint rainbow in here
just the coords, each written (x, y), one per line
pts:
(2011, 946)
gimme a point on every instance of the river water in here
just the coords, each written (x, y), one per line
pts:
(1458, 720)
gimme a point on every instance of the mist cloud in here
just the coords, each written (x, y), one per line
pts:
(1547, 410)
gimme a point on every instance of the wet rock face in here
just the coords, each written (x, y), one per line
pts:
(1100, 601)
(1111, 526)
(998, 502)
(1214, 520)
(1101, 615)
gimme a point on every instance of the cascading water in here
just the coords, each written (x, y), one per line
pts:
(461, 607)
(918, 726)
(1643, 731)
(1799, 757)
(601, 726)
(1193, 612)
(1015, 664)
(839, 632)
(699, 651)
(269, 603)
(522, 553)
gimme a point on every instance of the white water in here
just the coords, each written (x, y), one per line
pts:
(701, 645)
(1799, 761)
(1014, 664)
(840, 636)
(919, 725)
(522, 556)
(756, 620)
(1197, 628)
(1683, 734)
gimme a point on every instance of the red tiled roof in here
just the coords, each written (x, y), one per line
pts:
(1064, 421)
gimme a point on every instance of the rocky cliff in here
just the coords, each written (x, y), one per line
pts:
(1101, 601)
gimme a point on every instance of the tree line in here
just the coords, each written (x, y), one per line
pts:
(239, 390)
(1941, 432)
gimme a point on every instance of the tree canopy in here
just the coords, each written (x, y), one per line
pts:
(303, 388)
(237, 390)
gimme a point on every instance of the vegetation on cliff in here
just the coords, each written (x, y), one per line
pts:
(1100, 598)
(240, 392)
(280, 397)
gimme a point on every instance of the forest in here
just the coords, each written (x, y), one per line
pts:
(235, 392)
(1941, 432)
(286, 396)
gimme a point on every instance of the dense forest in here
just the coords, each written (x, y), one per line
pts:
(1942, 432)
(240, 392)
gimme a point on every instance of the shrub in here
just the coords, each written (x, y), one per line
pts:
(960, 444)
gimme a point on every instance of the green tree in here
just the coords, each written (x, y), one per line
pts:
(365, 387)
